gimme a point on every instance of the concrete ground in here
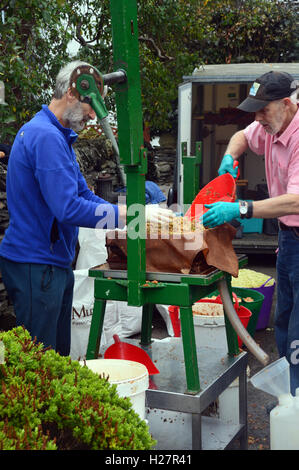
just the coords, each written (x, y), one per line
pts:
(258, 418)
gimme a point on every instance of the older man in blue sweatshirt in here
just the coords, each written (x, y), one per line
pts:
(48, 199)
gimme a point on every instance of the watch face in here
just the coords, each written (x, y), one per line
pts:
(243, 207)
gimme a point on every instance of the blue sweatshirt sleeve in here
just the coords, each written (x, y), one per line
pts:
(64, 188)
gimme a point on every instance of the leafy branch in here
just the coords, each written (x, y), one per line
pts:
(156, 48)
(50, 402)
(175, 37)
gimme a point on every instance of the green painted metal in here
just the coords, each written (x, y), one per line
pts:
(91, 91)
(182, 293)
(136, 253)
(134, 290)
(130, 137)
(191, 172)
(110, 290)
(146, 326)
(96, 329)
(189, 348)
(128, 94)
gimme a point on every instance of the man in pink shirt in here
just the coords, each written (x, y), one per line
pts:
(275, 134)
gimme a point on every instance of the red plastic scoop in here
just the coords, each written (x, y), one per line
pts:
(222, 188)
(121, 350)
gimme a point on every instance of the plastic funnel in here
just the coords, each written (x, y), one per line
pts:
(274, 379)
(121, 350)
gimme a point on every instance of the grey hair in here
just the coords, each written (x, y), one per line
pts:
(294, 97)
(63, 78)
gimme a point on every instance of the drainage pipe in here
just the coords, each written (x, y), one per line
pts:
(241, 331)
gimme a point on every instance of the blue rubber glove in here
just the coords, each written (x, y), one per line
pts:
(219, 213)
(227, 166)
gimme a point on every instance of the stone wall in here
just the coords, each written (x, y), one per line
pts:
(96, 155)
(164, 161)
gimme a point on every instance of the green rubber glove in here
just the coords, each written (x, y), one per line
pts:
(219, 213)
(228, 165)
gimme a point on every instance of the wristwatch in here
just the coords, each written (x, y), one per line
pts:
(245, 208)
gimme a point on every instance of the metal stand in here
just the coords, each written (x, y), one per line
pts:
(179, 290)
(176, 289)
(175, 418)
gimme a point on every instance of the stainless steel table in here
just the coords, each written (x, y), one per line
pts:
(175, 417)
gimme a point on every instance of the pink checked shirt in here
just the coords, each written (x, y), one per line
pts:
(281, 160)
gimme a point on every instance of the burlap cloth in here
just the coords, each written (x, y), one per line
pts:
(192, 253)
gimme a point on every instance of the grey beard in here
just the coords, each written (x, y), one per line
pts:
(74, 118)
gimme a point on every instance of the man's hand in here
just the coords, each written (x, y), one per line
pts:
(219, 213)
(155, 213)
(2, 154)
(228, 165)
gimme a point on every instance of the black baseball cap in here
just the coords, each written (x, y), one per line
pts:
(268, 87)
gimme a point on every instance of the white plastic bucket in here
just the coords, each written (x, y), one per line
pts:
(209, 325)
(131, 379)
